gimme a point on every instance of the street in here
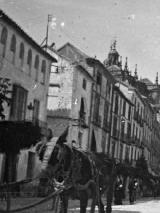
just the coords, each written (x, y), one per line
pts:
(144, 205)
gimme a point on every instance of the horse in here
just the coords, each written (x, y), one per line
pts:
(82, 173)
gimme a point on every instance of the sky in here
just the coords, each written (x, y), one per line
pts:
(92, 26)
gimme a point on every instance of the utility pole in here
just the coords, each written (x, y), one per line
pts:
(49, 18)
(47, 30)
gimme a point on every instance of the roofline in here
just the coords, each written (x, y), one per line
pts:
(78, 49)
(86, 72)
(93, 60)
(9, 21)
(118, 89)
(137, 92)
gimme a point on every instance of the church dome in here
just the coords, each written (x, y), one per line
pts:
(113, 56)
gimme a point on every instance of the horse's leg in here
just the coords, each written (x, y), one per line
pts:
(94, 197)
(64, 203)
(83, 201)
(100, 205)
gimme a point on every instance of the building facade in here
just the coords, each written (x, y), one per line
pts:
(101, 105)
(27, 68)
(69, 98)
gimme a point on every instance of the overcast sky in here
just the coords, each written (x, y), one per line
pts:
(92, 25)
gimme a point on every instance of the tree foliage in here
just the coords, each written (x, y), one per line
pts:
(4, 91)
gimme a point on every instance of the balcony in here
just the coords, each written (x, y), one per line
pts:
(115, 133)
(17, 135)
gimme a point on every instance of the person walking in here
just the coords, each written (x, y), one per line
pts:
(118, 192)
(132, 187)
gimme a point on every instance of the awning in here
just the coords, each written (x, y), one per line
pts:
(17, 135)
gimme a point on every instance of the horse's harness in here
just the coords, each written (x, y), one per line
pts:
(72, 176)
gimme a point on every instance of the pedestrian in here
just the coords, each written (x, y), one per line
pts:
(132, 187)
(118, 192)
(155, 189)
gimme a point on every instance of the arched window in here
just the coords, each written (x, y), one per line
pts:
(43, 71)
(21, 53)
(36, 66)
(29, 58)
(13, 47)
(3, 40)
(4, 35)
(13, 44)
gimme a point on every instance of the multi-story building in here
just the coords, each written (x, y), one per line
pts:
(137, 122)
(27, 67)
(101, 105)
(69, 98)
(121, 146)
(144, 96)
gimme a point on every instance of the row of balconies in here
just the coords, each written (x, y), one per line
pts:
(125, 137)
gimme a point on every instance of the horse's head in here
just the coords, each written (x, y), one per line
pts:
(60, 161)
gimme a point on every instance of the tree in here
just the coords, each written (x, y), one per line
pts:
(4, 91)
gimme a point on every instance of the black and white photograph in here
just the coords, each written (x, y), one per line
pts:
(79, 106)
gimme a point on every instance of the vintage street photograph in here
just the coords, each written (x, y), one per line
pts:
(80, 106)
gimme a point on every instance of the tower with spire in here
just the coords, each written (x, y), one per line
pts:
(113, 56)
(157, 79)
(135, 73)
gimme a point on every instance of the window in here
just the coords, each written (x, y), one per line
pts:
(108, 90)
(29, 58)
(99, 78)
(133, 130)
(36, 110)
(115, 126)
(43, 71)
(124, 108)
(53, 90)
(127, 153)
(121, 151)
(105, 120)
(122, 130)
(138, 109)
(128, 130)
(21, 53)
(103, 142)
(18, 104)
(36, 66)
(116, 105)
(13, 47)
(96, 107)
(84, 84)
(129, 113)
(113, 149)
(82, 113)
(13, 44)
(3, 40)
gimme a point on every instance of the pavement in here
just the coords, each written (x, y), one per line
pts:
(143, 205)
